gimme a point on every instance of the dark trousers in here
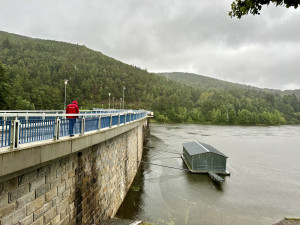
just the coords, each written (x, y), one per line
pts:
(71, 125)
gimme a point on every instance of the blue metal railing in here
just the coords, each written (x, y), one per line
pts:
(36, 127)
(91, 124)
(122, 119)
(36, 130)
(105, 122)
(65, 127)
(5, 132)
(115, 120)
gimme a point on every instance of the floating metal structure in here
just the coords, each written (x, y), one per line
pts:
(203, 158)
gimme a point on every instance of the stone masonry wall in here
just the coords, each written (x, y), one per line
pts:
(86, 187)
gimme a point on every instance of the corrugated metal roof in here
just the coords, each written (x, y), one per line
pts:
(195, 147)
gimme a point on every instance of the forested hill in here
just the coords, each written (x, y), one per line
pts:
(204, 82)
(32, 73)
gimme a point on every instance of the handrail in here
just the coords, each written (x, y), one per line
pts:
(19, 127)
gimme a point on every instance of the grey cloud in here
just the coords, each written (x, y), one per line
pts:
(190, 36)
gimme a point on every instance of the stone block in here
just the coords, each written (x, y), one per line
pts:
(37, 183)
(43, 171)
(19, 192)
(66, 193)
(68, 167)
(40, 212)
(50, 214)
(61, 188)
(25, 199)
(8, 186)
(54, 166)
(60, 171)
(49, 178)
(27, 220)
(62, 205)
(68, 183)
(70, 207)
(64, 221)
(73, 214)
(39, 221)
(35, 205)
(63, 213)
(14, 217)
(42, 190)
(6, 210)
(27, 177)
(57, 200)
(51, 194)
(75, 164)
(72, 222)
(64, 177)
(64, 161)
(55, 183)
(72, 197)
(71, 173)
(3, 200)
(55, 220)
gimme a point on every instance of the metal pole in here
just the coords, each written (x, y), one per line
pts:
(66, 82)
(123, 96)
(120, 102)
(65, 96)
(108, 100)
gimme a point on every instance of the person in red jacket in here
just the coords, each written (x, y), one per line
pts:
(72, 109)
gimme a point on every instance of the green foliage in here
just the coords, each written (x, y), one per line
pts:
(4, 88)
(35, 70)
(162, 119)
(23, 104)
(243, 7)
(222, 102)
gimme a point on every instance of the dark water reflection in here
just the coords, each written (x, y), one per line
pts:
(264, 185)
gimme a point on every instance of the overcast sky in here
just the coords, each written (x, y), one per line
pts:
(194, 36)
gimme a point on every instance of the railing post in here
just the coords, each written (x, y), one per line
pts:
(14, 134)
(125, 118)
(99, 124)
(82, 125)
(26, 117)
(110, 124)
(119, 120)
(4, 129)
(57, 128)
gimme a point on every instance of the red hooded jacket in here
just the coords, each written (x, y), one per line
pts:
(72, 109)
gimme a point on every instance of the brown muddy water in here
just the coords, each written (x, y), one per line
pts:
(264, 186)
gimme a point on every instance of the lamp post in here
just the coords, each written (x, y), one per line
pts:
(108, 100)
(123, 96)
(113, 102)
(66, 82)
(120, 102)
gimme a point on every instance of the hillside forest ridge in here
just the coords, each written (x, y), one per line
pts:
(32, 73)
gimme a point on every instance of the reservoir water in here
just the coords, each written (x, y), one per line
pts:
(264, 186)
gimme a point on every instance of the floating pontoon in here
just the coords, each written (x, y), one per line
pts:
(203, 158)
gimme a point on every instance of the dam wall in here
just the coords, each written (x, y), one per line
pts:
(79, 180)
